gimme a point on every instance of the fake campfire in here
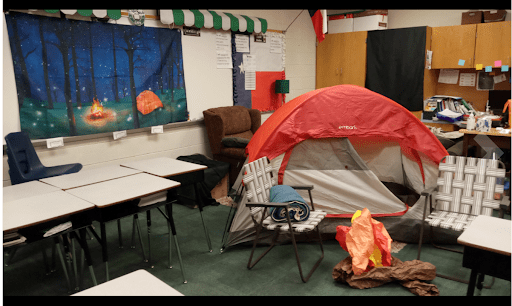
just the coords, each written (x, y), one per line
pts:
(97, 115)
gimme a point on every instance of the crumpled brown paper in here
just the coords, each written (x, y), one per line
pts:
(410, 274)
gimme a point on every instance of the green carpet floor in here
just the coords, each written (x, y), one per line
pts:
(222, 274)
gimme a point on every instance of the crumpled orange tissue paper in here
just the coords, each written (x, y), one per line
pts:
(367, 242)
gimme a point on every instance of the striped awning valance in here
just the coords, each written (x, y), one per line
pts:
(211, 19)
(113, 14)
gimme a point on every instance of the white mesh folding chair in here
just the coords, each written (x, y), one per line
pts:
(258, 180)
(465, 188)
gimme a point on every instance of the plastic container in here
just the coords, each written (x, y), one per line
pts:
(471, 122)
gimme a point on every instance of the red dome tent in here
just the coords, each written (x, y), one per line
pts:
(351, 143)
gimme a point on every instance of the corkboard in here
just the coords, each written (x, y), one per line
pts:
(471, 94)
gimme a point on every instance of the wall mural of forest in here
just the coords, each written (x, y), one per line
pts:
(80, 77)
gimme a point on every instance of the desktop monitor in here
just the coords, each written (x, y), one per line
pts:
(497, 99)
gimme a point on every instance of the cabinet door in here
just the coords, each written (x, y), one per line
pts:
(451, 44)
(341, 59)
(328, 61)
(353, 59)
(493, 43)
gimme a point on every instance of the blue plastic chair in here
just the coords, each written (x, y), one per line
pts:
(24, 164)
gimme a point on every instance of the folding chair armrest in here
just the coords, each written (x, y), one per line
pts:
(428, 192)
(269, 204)
(505, 202)
(302, 187)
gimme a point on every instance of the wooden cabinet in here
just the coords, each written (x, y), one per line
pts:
(482, 43)
(341, 59)
(493, 43)
(451, 44)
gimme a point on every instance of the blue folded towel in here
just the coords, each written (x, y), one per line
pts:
(299, 210)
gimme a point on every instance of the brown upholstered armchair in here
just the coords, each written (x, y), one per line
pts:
(231, 123)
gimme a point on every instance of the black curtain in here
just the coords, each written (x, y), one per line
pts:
(395, 65)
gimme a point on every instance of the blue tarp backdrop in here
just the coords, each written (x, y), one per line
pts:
(80, 77)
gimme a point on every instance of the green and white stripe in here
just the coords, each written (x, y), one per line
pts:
(112, 14)
(211, 19)
(198, 18)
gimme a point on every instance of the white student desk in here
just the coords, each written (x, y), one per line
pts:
(92, 176)
(486, 249)
(184, 172)
(88, 177)
(32, 207)
(137, 283)
(126, 191)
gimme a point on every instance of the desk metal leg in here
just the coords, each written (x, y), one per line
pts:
(45, 259)
(148, 219)
(61, 257)
(200, 205)
(136, 220)
(82, 239)
(73, 258)
(119, 232)
(172, 231)
(472, 282)
(104, 248)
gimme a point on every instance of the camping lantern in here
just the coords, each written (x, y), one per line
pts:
(282, 87)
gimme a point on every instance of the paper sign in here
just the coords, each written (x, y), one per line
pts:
(479, 66)
(55, 142)
(448, 76)
(461, 62)
(242, 43)
(428, 62)
(249, 62)
(223, 40)
(250, 80)
(497, 63)
(119, 134)
(276, 44)
(224, 60)
(467, 79)
(488, 68)
(504, 68)
(159, 129)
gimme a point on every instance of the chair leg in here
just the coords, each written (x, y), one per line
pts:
(272, 244)
(305, 279)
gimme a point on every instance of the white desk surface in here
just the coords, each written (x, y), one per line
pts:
(32, 210)
(164, 166)
(122, 189)
(89, 176)
(488, 233)
(25, 190)
(138, 283)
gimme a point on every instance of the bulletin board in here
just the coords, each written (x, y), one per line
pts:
(257, 64)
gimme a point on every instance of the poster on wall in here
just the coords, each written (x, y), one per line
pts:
(256, 67)
(80, 77)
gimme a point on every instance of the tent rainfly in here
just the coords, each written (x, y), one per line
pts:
(357, 148)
